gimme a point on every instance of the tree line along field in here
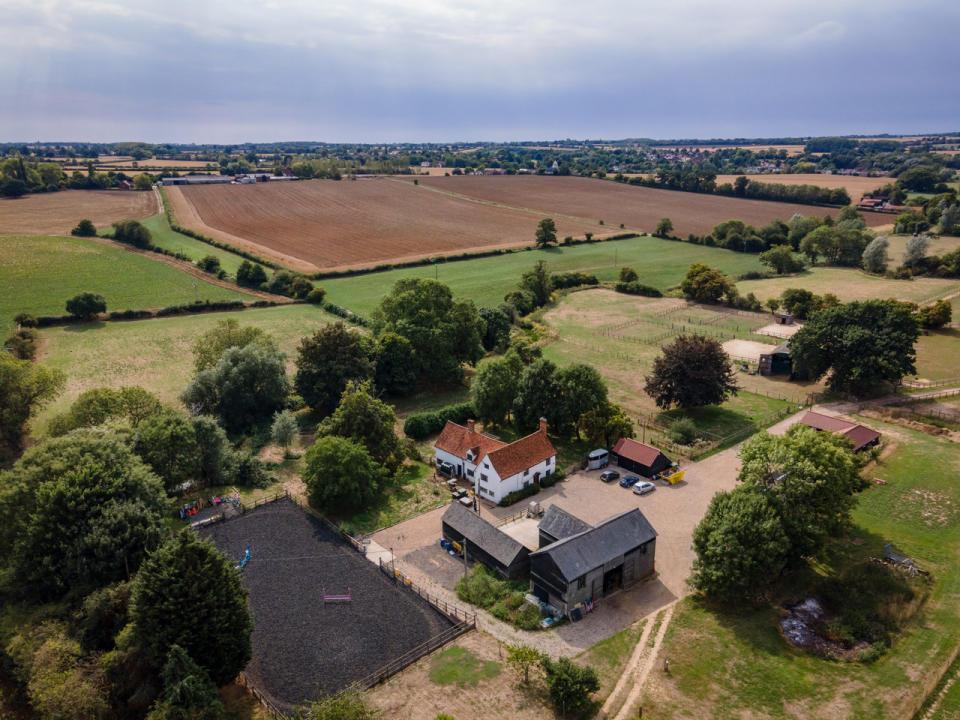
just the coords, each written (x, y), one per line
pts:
(39, 274)
(56, 213)
(856, 185)
(156, 353)
(763, 676)
(659, 263)
(312, 225)
(638, 208)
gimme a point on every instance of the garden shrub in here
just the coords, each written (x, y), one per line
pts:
(423, 425)
(527, 618)
(683, 431)
(635, 288)
(518, 495)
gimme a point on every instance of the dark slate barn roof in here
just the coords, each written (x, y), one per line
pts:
(581, 553)
(500, 546)
(559, 524)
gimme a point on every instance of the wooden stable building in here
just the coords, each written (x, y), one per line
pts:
(639, 458)
(484, 543)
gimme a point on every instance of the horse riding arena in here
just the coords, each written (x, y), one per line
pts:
(57, 212)
(302, 646)
(325, 224)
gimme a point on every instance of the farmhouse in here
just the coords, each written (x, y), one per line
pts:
(585, 566)
(483, 542)
(777, 361)
(495, 467)
(639, 458)
(861, 436)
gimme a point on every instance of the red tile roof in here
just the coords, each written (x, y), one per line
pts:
(860, 435)
(636, 451)
(457, 440)
(521, 454)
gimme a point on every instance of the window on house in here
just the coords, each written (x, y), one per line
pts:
(470, 473)
(483, 477)
(486, 465)
(526, 472)
(581, 583)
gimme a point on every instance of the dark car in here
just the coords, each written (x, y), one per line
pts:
(629, 481)
(609, 475)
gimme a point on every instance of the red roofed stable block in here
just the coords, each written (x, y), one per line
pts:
(638, 457)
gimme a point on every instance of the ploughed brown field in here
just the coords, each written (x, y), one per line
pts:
(322, 224)
(638, 208)
(56, 213)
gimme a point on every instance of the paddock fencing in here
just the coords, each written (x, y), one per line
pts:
(451, 612)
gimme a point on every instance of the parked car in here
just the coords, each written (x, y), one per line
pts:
(644, 487)
(629, 481)
(609, 475)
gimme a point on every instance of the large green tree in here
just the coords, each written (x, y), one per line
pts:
(340, 475)
(246, 386)
(546, 232)
(537, 395)
(581, 389)
(605, 424)
(494, 388)
(167, 442)
(445, 333)
(367, 420)
(538, 281)
(209, 347)
(740, 544)
(188, 594)
(24, 388)
(396, 365)
(570, 686)
(781, 259)
(692, 371)
(79, 511)
(811, 478)
(862, 345)
(327, 361)
(704, 284)
(86, 306)
(188, 693)
(496, 328)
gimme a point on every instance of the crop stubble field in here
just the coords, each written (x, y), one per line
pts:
(56, 213)
(312, 225)
(638, 208)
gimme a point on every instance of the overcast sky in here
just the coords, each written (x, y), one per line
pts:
(227, 71)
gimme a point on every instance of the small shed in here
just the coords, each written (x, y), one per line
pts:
(484, 543)
(639, 458)
(597, 459)
(860, 435)
(558, 524)
(777, 361)
(783, 319)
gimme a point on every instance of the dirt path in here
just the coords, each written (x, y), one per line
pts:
(649, 663)
(935, 705)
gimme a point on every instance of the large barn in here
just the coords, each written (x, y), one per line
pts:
(639, 458)
(595, 562)
(485, 543)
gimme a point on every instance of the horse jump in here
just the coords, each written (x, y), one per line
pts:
(335, 598)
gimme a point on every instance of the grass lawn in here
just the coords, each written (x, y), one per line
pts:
(937, 357)
(39, 274)
(410, 495)
(660, 263)
(458, 666)
(850, 284)
(938, 246)
(155, 353)
(609, 656)
(167, 239)
(734, 663)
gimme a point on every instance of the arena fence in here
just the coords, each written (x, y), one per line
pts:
(452, 612)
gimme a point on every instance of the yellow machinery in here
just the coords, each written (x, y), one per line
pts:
(675, 478)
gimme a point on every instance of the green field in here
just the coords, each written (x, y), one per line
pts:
(621, 335)
(735, 663)
(937, 355)
(660, 263)
(851, 284)
(155, 353)
(39, 274)
(164, 237)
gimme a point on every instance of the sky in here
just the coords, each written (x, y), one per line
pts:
(230, 71)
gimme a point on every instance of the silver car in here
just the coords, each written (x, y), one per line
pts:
(643, 487)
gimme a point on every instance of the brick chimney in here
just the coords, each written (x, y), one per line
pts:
(543, 425)
(470, 427)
